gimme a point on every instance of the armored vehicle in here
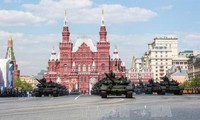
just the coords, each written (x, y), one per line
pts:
(154, 87)
(139, 88)
(49, 88)
(97, 86)
(114, 86)
(172, 86)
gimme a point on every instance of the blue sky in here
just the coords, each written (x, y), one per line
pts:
(36, 26)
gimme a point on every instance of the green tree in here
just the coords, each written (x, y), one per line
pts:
(22, 84)
(195, 82)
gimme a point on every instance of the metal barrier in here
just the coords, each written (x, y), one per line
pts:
(195, 90)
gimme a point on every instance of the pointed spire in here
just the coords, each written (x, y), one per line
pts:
(73, 64)
(102, 19)
(58, 80)
(65, 33)
(102, 32)
(10, 38)
(10, 52)
(53, 55)
(115, 53)
(93, 64)
(65, 20)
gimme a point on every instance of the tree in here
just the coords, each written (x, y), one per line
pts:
(195, 82)
(22, 84)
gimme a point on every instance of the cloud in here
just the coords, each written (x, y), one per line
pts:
(14, 18)
(168, 7)
(84, 11)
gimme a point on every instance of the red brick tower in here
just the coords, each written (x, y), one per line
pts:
(103, 48)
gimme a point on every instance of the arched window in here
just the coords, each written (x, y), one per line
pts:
(65, 68)
(84, 68)
(89, 67)
(79, 68)
(102, 66)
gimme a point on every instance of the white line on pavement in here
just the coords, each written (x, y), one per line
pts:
(77, 97)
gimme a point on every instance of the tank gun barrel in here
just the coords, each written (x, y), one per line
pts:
(40, 82)
(110, 78)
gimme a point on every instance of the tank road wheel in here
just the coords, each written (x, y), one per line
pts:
(103, 94)
(46, 94)
(162, 92)
(148, 92)
(129, 94)
(38, 95)
(55, 94)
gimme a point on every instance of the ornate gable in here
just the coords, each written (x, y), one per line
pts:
(84, 48)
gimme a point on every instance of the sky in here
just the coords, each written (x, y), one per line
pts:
(36, 26)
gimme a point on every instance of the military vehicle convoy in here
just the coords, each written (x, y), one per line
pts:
(49, 88)
(113, 86)
(154, 87)
(165, 86)
(171, 86)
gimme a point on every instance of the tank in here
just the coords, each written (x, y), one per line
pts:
(96, 89)
(114, 86)
(154, 87)
(172, 86)
(49, 88)
(139, 88)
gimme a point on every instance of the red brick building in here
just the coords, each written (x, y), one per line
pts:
(81, 65)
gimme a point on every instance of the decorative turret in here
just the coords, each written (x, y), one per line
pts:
(115, 54)
(65, 33)
(53, 55)
(58, 80)
(73, 66)
(93, 66)
(102, 32)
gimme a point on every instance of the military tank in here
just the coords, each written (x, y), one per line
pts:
(114, 86)
(172, 86)
(49, 88)
(97, 86)
(139, 88)
(154, 87)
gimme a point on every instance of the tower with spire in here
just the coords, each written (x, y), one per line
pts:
(10, 55)
(103, 48)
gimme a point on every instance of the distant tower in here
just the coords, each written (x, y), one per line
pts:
(10, 55)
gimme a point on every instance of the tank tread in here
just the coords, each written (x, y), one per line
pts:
(129, 94)
(103, 94)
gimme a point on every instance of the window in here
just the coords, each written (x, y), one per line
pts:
(65, 68)
(102, 66)
(79, 68)
(84, 68)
